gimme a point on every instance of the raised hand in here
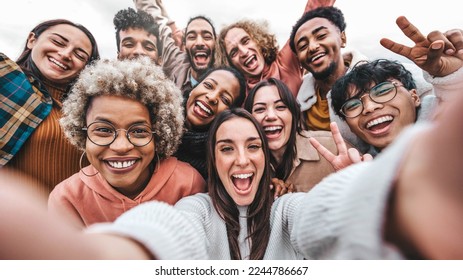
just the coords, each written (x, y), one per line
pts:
(345, 156)
(439, 54)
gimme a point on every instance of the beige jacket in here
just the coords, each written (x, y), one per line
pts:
(309, 166)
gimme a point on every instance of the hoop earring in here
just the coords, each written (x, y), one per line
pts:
(156, 168)
(81, 168)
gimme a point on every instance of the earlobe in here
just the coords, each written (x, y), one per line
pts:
(415, 97)
(31, 39)
(343, 39)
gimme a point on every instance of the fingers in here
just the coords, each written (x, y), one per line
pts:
(367, 157)
(338, 139)
(396, 47)
(455, 37)
(444, 42)
(322, 150)
(281, 187)
(409, 30)
(354, 155)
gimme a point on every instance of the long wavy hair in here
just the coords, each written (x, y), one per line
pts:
(258, 215)
(25, 59)
(282, 169)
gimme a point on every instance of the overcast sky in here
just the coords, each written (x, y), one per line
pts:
(367, 21)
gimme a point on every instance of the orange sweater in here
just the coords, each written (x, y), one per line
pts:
(47, 157)
(87, 200)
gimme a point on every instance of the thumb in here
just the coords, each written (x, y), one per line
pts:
(436, 50)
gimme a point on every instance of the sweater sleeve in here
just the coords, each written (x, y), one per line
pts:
(167, 232)
(342, 217)
(446, 87)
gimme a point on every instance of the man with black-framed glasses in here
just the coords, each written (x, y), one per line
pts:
(378, 100)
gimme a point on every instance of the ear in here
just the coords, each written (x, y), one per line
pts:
(118, 55)
(343, 39)
(416, 99)
(31, 39)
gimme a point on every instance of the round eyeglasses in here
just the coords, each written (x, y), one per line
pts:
(103, 134)
(381, 93)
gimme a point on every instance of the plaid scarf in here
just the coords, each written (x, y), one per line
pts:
(24, 105)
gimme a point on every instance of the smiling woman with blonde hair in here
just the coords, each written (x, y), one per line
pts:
(127, 117)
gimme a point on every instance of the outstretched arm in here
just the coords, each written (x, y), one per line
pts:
(159, 12)
(427, 204)
(29, 232)
(439, 54)
(346, 156)
(313, 4)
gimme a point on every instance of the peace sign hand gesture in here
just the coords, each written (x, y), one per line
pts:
(439, 54)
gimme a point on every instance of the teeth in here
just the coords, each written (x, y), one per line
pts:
(121, 164)
(204, 108)
(248, 60)
(273, 128)
(379, 120)
(317, 56)
(201, 54)
(242, 176)
(58, 63)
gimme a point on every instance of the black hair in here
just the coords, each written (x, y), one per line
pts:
(242, 82)
(283, 169)
(129, 18)
(330, 13)
(203, 18)
(363, 75)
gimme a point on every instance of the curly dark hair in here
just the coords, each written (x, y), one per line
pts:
(129, 18)
(330, 13)
(258, 31)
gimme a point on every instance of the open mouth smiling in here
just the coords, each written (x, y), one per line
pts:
(242, 182)
(379, 123)
(121, 164)
(202, 109)
(57, 63)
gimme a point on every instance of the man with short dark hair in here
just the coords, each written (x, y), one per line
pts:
(184, 67)
(318, 38)
(137, 34)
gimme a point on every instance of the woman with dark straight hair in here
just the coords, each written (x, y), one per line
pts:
(32, 92)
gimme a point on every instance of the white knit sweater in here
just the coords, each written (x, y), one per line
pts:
(340, 218)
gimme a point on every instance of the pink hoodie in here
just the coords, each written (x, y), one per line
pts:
(88, 200)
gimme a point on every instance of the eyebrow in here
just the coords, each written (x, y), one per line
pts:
(315, 31)
(208, 78)
(250, 139)
(264, 103)
(130, 38)
(108, 121)
(65, 39)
